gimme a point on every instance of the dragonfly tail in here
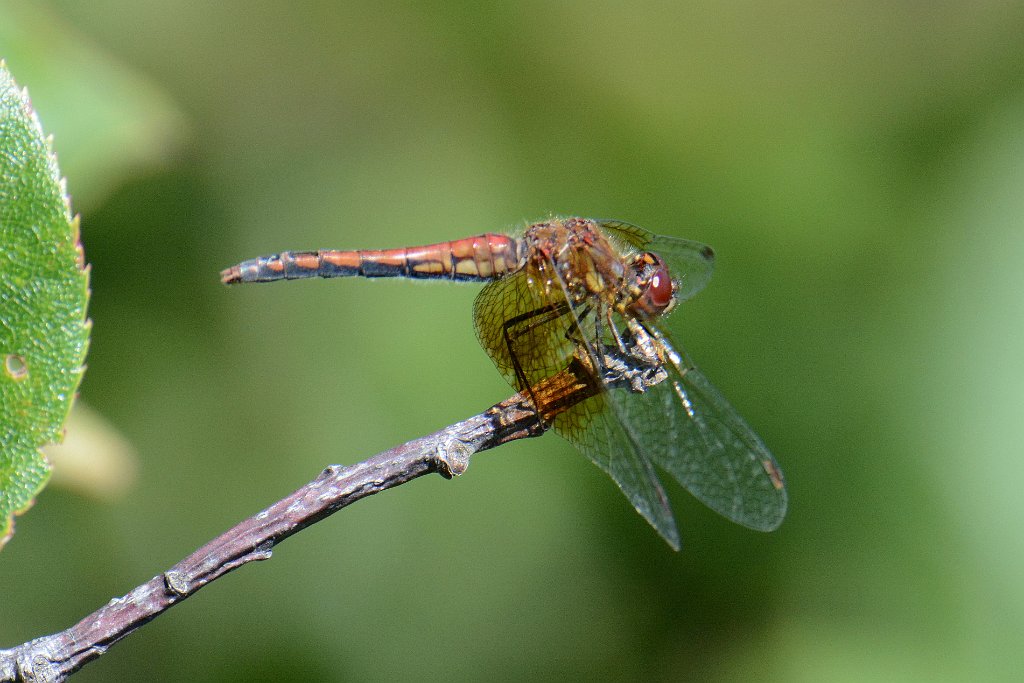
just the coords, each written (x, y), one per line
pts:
(484, 257)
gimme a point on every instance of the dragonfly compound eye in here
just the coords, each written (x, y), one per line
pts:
(657, 289)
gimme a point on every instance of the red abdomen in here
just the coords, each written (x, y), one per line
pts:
(483, 257)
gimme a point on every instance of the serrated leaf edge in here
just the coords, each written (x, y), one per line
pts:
(74, 223)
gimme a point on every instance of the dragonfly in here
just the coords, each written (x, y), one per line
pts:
(592, 298)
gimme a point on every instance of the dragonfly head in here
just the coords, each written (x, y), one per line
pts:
(656, 290)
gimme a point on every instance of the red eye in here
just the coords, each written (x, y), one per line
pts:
(659, 291)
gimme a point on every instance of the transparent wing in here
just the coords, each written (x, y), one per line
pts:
(690, 263)
(531, 335)
(688, 429)
(594, 428)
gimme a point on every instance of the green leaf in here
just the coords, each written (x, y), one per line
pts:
(43, 294)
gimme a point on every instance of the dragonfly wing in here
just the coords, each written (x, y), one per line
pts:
(690, 263)
(594, 429)
(688, 429)
(523, 329)
(531, 334)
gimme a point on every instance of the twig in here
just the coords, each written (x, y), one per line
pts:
(54, 657)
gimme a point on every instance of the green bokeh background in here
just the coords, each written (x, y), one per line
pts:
(858, 167)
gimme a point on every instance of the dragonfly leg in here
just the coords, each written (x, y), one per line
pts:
(614, 331)
(637, 365)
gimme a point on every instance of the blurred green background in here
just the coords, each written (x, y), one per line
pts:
(858, 167)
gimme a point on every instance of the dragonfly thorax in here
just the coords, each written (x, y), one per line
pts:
(573, 255)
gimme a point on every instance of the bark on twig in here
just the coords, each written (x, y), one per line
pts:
(54, 657)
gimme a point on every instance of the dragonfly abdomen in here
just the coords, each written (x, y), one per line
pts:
(483, 257)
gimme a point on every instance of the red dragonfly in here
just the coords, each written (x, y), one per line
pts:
(594, 296)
